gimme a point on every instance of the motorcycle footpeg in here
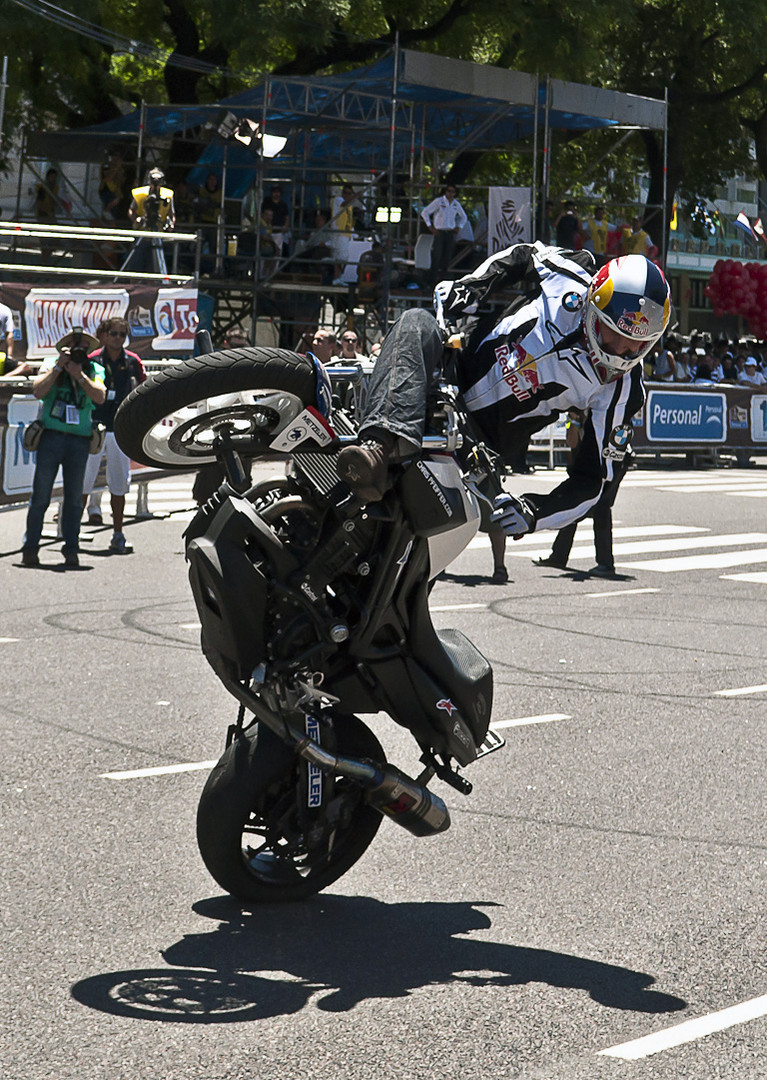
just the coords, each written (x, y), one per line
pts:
(492, 741)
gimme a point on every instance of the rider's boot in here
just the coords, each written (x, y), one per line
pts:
(365, 467)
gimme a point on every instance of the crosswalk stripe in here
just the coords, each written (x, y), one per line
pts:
(586, 530)
(715, 561)
(719, 489)
(646, 547)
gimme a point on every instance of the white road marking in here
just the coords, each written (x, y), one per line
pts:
(621, 592)
(458, 607)
(718, 560)
(586, 529)
(741, 691)
(689, 1030)
(190, 626)
(647, 547)
(713, 489)
(758, 577)
(160, 770)
(7, 640)
(546, 718)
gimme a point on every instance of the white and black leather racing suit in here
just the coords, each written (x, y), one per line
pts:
(519, 371)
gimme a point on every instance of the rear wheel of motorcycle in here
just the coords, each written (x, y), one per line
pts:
(172, 420)
(252, 792)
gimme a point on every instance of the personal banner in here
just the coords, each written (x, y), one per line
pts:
(509, 220)
(162, 320)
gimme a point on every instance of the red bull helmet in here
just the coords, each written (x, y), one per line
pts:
(629, 297)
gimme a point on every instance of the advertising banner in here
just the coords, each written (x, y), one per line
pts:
(759, 418)
(162, 320)
(686, 417)
(18, 463)
(508, 218)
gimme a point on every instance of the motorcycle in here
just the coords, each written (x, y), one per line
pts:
(315, 607)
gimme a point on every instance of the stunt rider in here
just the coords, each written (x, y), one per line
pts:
(574, 338)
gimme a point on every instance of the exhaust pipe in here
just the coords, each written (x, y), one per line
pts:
(389, 790)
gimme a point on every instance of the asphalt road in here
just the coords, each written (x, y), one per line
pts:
(603, 884)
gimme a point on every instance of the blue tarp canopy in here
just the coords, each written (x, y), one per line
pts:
(406, 104)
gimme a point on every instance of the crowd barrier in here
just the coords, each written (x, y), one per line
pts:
(17, 466)
(676, 418)
(687, 418)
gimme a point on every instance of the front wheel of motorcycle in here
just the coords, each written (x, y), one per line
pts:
(255, 833)
(176, 418)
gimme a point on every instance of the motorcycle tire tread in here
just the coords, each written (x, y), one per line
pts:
(207, 376)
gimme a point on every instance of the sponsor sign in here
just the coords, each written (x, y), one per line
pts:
(674, 417)
(162, 320)
(509, 218)
(18, 463)
(759, 418)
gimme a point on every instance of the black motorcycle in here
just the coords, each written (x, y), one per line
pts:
(315, 607)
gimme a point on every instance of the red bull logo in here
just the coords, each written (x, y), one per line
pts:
(633, 323)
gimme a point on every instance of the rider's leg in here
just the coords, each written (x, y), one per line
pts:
(395, 413)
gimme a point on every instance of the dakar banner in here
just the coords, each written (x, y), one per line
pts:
(161, 320)
(508, 218)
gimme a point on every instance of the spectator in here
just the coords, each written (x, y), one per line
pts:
(349, 343)
(730, 370)
(444, 218)
(751, 376)
(69, 388)
(342, 230)
(8, 366)
(637, 241)
(47, 198)
(153, 209)
(567, 227)
(664, 369)
(280, 218)
(597, 228)
(185, 200)
(324, 345)
(601, 514)
(112, 186)
(546, 222)
(685, 366)
(123, 370)
(703, 374)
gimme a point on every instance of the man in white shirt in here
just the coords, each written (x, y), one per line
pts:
(444, 217)
(750, 375)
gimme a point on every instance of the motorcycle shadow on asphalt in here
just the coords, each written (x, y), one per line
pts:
(268, 961)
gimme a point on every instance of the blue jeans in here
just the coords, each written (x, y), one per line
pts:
(410, 357)
(71, 453)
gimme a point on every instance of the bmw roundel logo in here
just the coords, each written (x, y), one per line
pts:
(572, 301)
(620, 436)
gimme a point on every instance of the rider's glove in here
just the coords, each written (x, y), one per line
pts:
(513, 514)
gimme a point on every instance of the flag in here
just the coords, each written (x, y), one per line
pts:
(673, 222)
(759, 230)
(742, 222)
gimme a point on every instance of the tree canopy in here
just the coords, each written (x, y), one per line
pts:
(86, 64)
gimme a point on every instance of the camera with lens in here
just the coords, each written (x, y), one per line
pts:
(78, 353)
(152, 211)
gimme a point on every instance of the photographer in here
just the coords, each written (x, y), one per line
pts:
(69, 389)
(123, 370)
(153, 210)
